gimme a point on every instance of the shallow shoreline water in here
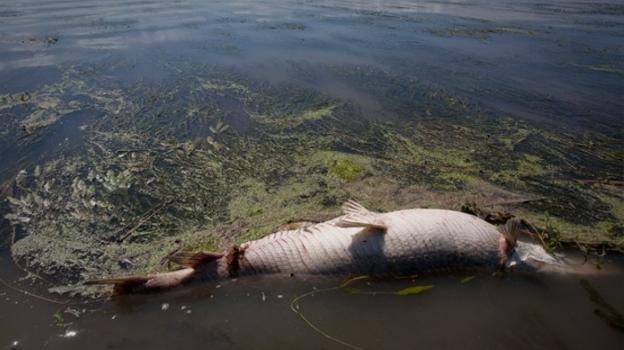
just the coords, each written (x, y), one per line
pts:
(516, 311)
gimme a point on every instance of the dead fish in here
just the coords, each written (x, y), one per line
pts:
(360, 242)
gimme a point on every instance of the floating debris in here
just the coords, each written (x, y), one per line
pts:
(59, 319)
(467, 279)
(69, 334)
(414, 290)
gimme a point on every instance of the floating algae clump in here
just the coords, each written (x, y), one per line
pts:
(481, 33)
(345, 169)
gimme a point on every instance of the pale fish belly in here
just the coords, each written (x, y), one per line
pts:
(413, 241)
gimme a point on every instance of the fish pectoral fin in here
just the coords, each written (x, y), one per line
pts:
(194, 259)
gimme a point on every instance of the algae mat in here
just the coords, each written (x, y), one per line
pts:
(155, 175)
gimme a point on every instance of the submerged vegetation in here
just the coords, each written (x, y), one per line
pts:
(479, 33)
(212, 157)
(604, 310)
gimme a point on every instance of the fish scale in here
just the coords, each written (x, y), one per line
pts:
(415, 240)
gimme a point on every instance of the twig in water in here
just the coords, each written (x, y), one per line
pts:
(49, 300)
(150, 213)
(294, 306)
(517, 201)
(6, 284)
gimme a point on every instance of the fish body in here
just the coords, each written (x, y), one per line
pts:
(400, 242)
(360, 242)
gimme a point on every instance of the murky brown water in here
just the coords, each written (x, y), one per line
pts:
(516, 312)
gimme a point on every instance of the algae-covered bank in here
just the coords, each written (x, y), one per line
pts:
(133, 130)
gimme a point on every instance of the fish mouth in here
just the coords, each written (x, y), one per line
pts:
(533, 256)
(520, 249)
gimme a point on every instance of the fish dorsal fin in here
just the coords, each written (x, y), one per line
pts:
(355, 215)
(194, 259)
(353, 207)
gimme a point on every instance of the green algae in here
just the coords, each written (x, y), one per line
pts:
(480, 33)
(321, 112)
(345, 169)
(293, 121)
(287, 26)
(169, 167)
(261, 210)
(607, 68)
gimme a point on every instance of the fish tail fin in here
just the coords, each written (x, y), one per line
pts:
(194, 259)
(147, 283)
(122, 285)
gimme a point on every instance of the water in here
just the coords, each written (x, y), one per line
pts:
(243, 115)
(517, 312)
(565, 57)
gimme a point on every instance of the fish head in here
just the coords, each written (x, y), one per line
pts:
(523, 249)
(531, 256)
